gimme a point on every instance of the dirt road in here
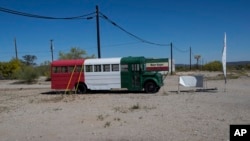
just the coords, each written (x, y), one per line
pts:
(31, 113)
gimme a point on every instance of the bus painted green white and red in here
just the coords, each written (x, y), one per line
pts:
(123, 73)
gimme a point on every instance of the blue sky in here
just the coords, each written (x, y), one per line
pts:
(199, 24)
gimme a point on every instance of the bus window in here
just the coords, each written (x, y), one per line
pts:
(124, 67)
(115, 67)
(138, 67)
(106, 68)
(64, 69)
(71, 68)
(135, 67)
(143, 66)
(55, 69)
(89, 68)
(79, 69)
(97, 68)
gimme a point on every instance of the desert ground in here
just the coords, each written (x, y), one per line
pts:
(36, 113)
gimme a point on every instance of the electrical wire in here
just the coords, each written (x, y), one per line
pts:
(86, 16)
(129, 33)
(120, 44)
(180, 50)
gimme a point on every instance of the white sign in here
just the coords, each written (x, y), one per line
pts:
(191, 81)
(161, 66)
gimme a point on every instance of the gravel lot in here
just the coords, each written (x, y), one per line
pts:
(33, 113)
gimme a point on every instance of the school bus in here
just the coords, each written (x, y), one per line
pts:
(123, 73)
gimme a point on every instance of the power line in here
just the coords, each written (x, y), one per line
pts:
(120, 44)
(129, 33)
(85, 16)
(180, 50)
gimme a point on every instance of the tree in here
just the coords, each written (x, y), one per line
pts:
(28, 74)
(44, 69)
(8, 69)
(197, 57)
(213, 66)
(75, 53)
(29, 60)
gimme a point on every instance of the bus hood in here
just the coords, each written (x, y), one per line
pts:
(151, 73)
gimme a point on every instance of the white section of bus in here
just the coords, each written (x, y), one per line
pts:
(105, 73)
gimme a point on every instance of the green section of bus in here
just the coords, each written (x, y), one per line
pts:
(134, 76)
(158, 60)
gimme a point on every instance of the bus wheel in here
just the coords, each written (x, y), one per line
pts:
(82, 89)
(150, 87)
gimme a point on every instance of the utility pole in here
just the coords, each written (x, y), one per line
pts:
(51, 49)
(190, 60)
(197, 57)
(98, 32)
(171, 50)
(15, 49)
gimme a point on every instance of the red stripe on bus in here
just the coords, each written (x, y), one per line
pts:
(157, 68)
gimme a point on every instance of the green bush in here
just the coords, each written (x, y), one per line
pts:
(248, 66)
(28, 74)
(44, 69)
(8, 69)
(213, 66)
(182, 68)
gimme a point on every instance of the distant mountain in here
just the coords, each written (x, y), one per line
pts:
(238, 63)
(228, 63)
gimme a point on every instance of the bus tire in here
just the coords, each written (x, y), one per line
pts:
(82, 88)
(150, 87)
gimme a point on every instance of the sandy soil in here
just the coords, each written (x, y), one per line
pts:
(32, 113)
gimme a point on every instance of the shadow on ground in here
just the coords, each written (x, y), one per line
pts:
(93, 92)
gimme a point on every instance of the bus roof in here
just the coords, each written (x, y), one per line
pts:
(102, 61)
(93, 61)
(67, 62)
(133, 60)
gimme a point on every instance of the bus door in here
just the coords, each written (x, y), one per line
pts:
(136, 76)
